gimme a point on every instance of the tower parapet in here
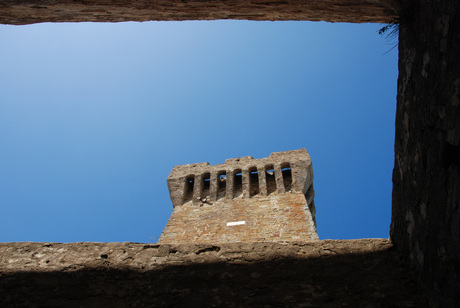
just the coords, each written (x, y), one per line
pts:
(279, 173)
(268, 197)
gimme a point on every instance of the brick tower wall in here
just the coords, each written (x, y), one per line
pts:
(243, 200)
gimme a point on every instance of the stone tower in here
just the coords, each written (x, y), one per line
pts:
(243, 200)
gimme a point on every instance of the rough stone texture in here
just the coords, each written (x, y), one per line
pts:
(426, 191)
(425, 219)
(279, 217)
(354, 273)
(34, 11)
(269, 199)
(242, 176)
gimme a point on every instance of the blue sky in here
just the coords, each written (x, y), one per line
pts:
(94, 116)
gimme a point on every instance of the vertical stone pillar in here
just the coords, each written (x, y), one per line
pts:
(246, 183)
(279, 179)
(293, 179)
(230, 184)
(214, 186)
(183, 190)
(177, 189)
(262, 181)
(197, 187)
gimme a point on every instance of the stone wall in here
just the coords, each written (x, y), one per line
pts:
(280, 217)
(425, 217)
(426, 192)
(34, 11)
(243, 200)
(356, 273)
(244, 177)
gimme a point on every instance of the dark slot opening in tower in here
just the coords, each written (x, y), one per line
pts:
(189, 185)
(237, 183)
(205, 191)
(254, 181)
(287, 176)
(222, 184)
(271, 181)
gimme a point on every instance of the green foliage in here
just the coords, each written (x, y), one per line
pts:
(391, 30)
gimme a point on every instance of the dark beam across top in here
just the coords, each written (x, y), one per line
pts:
(36, 11)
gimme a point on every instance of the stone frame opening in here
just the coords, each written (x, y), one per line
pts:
(286, 172)
(189, 187)
(432, 18)
(221, 184)
(270, 179)
(254, 188)
(237, 183)
(206, 185)
(92, 11)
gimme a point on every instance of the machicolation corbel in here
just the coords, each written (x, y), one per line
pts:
(244, 177)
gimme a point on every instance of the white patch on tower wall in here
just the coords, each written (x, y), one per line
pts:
(235, 223)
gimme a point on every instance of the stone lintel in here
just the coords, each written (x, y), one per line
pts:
(37, 11)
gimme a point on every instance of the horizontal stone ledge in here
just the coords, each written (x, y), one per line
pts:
(37, 11)
(356, 273)
(36, 256)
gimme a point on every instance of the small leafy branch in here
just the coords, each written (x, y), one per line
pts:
(391, 30)
(404, 12)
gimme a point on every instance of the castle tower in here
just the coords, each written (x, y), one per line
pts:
(243, 200)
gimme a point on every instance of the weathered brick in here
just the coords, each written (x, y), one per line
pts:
(283, 215)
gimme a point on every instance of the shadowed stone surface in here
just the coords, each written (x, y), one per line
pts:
(34, 11)
(353, 273)
(426, 179)
(425, 219)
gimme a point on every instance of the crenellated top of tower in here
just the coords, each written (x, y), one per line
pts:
(245, 177)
